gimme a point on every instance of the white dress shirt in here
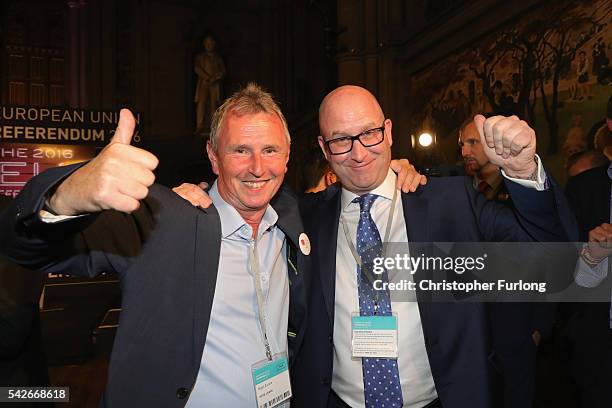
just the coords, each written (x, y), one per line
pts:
(234, 341)
(417, 383)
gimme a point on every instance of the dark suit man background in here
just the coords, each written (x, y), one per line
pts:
(443, 348)
(589, 189)
(517, 328)
(22, 356)
(206, 294)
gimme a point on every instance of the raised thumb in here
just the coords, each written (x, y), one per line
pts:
(125, 128)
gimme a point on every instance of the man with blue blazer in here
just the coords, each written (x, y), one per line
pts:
(209, 296)
(443, 356)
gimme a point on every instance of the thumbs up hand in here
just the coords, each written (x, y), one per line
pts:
(117, 179)
(509, 143)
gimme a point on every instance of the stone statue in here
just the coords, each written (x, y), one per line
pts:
(210, 69)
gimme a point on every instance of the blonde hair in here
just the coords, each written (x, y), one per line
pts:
(250, 100)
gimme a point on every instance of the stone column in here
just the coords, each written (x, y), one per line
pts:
(370, 54)
(73, 80)
(83, 42)
(351, 69)
(77, 52)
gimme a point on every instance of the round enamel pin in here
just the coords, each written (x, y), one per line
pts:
(304, 244)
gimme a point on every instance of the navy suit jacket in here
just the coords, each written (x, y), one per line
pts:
(456, 335)
(22, 358)
(512, 323)
(589, 195)
(166, 255)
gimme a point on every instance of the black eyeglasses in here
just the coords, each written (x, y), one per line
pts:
(367, 138)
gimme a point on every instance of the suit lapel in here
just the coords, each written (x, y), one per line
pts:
(206, 265)
(298, 266)
(417, 228)
(328, 213)
(417, 225)
(299, 275)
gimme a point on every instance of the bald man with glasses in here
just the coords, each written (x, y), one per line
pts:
(442, 348)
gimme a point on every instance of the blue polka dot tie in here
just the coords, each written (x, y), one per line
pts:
(381, 380)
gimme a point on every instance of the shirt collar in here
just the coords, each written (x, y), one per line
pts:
(232, 221)
(385, 189)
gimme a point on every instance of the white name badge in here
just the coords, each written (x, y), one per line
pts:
(374, 336)
(271, 382)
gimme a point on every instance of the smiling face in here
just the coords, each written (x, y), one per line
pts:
(250, 161)
(348, 111)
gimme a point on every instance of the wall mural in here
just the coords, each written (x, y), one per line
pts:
(551, 67)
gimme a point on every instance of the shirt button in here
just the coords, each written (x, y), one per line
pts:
(181, 393)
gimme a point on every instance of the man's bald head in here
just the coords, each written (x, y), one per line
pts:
(345, 101)
(346, 112)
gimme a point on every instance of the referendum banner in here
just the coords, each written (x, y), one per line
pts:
(33, 139)
(19, 162)
(20, 124)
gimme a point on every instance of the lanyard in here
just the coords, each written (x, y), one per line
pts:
(385, 241)
(254, 263)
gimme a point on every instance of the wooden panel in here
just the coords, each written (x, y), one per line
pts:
(38, 94)
(17, 66)
(33, 43)
(38, 71)
(17, 93)
(57, 95)
(56, 70)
